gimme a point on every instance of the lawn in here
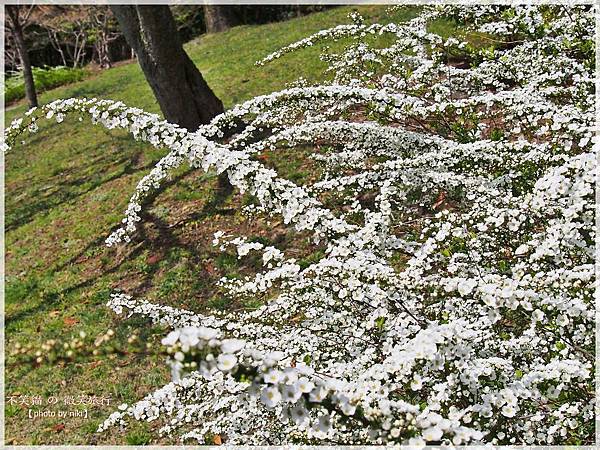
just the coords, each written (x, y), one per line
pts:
(66, 189)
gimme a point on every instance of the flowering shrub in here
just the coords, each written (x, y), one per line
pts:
(453, 302)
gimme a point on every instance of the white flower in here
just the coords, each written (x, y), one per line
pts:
(299, 414)
(273, 376)
(347, 408)
(176, 369)
(226, 362)
(509, 410)
(538, 315)
(291, 393)
(465, 287)
(290, 375)
(232, 345)
(304, 385)
(417, 383)
(318, 394)
(522, 249)
(562, 320)
(272, 358)
(432, 434)
(416, 442)
(189, 336)
(207, 333)
(270, 396)
(324, 423)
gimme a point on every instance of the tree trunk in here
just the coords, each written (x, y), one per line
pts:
(103, 40)
(17, 31)
(79, 55)
(219, 18)
(56, 44)
(183, 95)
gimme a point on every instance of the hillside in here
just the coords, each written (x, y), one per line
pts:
(66, 189)
(406, 259)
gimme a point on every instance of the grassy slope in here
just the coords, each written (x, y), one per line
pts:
(67, 188)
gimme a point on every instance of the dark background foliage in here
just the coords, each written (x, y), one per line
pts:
(55, 32)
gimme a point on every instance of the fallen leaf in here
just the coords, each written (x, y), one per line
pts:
(440, 199)
(58, 427)
(70, 321)
(217, 439)
(153, 259)
(210, 269)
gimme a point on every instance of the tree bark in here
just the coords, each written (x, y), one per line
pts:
(182, 93)
(16, 28)
(219, 18)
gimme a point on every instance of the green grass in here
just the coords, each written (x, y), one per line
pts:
(67, 188)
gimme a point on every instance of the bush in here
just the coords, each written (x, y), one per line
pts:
(453, 300)
(44, 78)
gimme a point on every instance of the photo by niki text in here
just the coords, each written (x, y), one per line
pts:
(63, 406)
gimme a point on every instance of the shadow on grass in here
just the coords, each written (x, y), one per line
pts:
(66, 193)
(164, 240)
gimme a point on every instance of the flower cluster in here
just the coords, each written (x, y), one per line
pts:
(77, 349)
(452, 302)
